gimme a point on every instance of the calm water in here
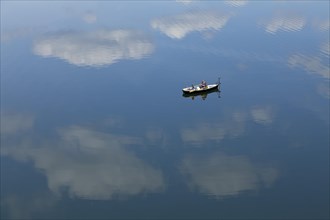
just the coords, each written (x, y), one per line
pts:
(94, 124)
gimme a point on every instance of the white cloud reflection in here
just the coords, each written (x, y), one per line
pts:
(211, 132)
(236, 3)
(325, 48)
(285, 22)
(178, 26)
(322, 25)
(95, 48)
(90, 164)
(263, 114)
(311, 64)
(233, 126)
(185, 2)
(221, 175)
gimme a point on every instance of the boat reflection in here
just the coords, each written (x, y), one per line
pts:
(202, 94)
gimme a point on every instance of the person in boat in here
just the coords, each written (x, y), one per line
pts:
(203, 84)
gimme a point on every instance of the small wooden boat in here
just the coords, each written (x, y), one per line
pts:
(200, 88)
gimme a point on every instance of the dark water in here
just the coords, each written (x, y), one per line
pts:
(94, 124)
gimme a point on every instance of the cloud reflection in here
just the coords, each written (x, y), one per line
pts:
(311, 64)
(233, 126)
(285, 22)
(325, 48)
(178, 26)
(211, 132)
(90, 164)
(185, 2)
(95, 48)
(221, 175)
(262, 114)
(236, 3)
(322, 25)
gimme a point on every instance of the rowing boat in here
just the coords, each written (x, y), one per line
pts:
(201, 88)
(203, 95)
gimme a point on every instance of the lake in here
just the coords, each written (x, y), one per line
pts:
(94, 124)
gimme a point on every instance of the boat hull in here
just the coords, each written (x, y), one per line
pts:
(202, 94)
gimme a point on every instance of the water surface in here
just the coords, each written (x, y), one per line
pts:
(94, 124)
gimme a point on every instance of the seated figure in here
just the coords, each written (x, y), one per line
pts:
(203, 84)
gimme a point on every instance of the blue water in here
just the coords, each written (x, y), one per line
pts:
(94, 124)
